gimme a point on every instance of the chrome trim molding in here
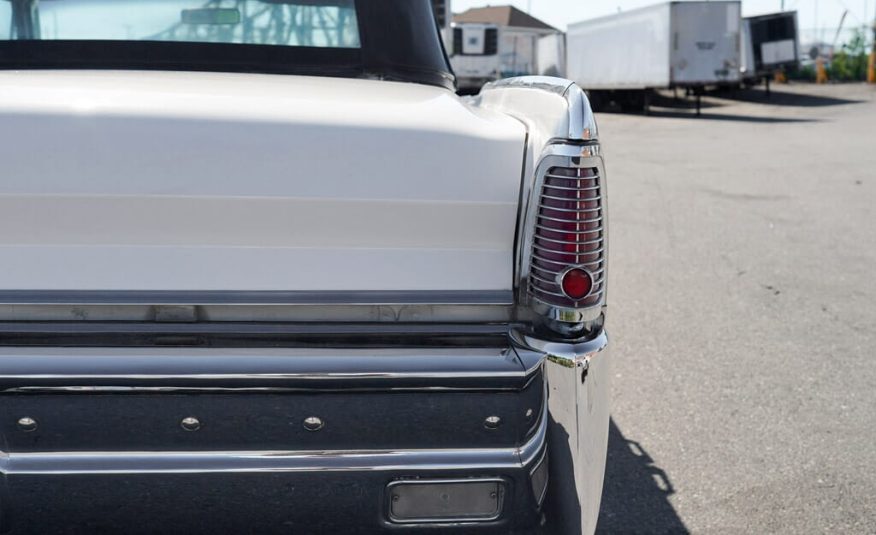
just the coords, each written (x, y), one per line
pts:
(255, 298)
(94, 370)
(572, 353)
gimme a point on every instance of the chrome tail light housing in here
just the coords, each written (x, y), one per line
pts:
(564, 242)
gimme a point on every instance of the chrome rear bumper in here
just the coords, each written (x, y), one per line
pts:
(109, 448)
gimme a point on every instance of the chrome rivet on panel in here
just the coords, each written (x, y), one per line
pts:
(190, 423)
(529, 414)
(313, 423)
(492, 422)
(27, 424)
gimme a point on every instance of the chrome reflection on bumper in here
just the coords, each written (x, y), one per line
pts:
(577, 377)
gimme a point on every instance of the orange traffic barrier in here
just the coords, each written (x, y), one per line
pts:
(820, 71)
(871, 68)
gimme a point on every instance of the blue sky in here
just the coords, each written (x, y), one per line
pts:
(559, 13)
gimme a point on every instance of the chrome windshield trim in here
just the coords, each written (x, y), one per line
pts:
(256, 298)
(204, 462)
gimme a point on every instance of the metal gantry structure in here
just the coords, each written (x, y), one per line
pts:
(25, 20)
(268, 24)
(253, 23)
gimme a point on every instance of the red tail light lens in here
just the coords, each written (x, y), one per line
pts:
(568, 249)
(577, 283)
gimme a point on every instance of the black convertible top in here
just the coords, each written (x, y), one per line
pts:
(399, 40)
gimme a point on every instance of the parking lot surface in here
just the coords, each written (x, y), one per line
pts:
(743, 314)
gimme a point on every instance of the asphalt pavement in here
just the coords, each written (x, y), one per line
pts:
(743, 314)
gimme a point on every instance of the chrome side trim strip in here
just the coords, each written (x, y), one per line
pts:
(204, 462)
(255, 298)
(283, 369)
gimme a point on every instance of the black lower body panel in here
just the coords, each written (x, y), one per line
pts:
(115, 444)
(297, 503)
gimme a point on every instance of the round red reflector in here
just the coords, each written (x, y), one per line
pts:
(577, 283)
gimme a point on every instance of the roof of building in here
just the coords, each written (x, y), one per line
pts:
(501, 16)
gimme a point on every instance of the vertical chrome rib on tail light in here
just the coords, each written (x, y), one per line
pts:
(565, 237)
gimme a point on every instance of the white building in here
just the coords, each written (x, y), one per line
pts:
(518, 36)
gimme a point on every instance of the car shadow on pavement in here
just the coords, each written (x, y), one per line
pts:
(635, 497)
(678, 100)
(691, 114)
(782, 98)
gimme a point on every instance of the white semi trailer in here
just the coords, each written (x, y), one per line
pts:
(625, 56)
(551, 55)
(769, 43)
(484, 52)
(475, 57)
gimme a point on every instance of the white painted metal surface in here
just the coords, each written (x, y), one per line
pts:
(705, 42)
(778, 52)
(518, 50)
(630, 50)
(675, 43)
(474, 40)
(747, 63)
(472, 66)
(551, 55)
(769, 41)
(183, 181)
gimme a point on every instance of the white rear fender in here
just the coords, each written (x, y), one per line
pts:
(162, 181)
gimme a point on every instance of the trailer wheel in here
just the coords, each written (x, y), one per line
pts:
(633, 101)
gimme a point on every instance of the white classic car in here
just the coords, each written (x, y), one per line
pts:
(263, 271)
